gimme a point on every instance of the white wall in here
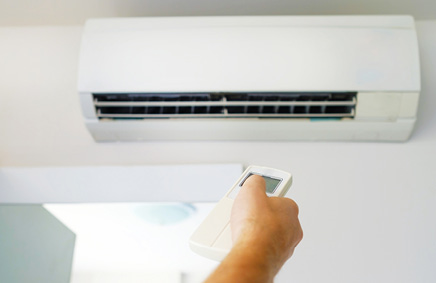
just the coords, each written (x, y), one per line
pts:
(367, 209)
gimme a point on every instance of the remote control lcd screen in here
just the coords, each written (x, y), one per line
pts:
(271, 184)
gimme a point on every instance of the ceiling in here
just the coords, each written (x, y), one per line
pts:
(63, 12)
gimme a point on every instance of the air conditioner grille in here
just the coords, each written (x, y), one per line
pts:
(224, 105)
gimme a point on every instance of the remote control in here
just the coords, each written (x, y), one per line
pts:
(213, 238)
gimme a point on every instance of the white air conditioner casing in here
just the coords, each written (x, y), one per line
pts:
(373, 59)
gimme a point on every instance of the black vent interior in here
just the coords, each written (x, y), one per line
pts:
(224, 105)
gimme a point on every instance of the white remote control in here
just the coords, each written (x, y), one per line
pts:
(213, 238)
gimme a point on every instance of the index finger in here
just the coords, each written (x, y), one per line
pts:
(253, 189)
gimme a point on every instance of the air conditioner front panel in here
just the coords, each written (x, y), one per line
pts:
(246, 54)
(200, 78)
(249, 129)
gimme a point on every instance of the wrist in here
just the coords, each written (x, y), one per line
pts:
(254, 251)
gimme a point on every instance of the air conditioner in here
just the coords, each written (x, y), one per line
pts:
(250, 78)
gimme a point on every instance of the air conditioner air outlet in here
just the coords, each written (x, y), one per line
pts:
(224, 105)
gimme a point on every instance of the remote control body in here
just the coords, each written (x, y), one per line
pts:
(213, 238)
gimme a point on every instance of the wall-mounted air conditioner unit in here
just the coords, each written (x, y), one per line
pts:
(250, 78)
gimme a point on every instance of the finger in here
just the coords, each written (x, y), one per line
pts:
(254, 187)
(255, 182)
(247, 203)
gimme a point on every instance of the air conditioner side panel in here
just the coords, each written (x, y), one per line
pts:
(385, 106)
(87, 105)
(409, 105)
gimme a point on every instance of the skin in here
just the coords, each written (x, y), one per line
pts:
(265, 232)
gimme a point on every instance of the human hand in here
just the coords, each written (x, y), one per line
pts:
(268, 225)
(265, 232)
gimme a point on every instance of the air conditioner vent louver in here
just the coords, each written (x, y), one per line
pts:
(224, 105)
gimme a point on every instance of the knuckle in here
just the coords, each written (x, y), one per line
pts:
(293, 206)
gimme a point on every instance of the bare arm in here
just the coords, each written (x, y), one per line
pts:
(265, 232)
